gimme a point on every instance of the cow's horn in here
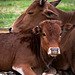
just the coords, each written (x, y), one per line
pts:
(42, 2)
(55, 3)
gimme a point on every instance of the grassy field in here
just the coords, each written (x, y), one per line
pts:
(10, 10)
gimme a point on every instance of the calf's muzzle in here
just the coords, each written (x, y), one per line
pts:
(53, 51)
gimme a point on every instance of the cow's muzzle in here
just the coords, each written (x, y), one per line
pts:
(53, 51)
(10, 29)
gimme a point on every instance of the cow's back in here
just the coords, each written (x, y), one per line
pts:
(14, 48)
(9, 46)
(7, 50)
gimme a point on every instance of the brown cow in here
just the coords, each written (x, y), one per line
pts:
(66, 59)
(38, 11)
(26, 52)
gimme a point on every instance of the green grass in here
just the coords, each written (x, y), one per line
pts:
(10, 10)
(67, 5)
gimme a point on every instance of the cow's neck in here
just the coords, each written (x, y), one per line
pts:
(45, 62)
(64, 36)
(66, 17)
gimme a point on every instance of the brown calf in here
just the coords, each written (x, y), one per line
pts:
(27, 53)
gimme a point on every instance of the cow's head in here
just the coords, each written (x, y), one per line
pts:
(50, 36)
(38, 11)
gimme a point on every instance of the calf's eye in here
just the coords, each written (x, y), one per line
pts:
(44, 34)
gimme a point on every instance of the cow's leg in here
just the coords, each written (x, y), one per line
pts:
(24, 70)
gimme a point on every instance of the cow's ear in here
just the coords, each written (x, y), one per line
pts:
(55, 3)
(36, 30)
(42, 2)
(49, 13)
(68, 26)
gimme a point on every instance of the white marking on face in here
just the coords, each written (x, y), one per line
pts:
(59, 51)
(49, 51)
(18, 70)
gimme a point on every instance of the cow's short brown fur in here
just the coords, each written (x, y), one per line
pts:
(28, 50)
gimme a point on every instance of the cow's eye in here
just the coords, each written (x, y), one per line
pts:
(30, 12)
(44, 34)
(49, 13)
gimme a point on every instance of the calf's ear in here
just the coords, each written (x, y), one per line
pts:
(49, 13)
(42, 2)
(36, 30)
(55, 3)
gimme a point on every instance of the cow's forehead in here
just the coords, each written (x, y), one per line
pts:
(33, 5)
(50, 25)
(36, 4)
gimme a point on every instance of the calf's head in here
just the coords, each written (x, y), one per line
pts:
(49, 31)
(38, 11)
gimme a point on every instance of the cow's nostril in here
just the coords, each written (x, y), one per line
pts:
(54, 51)
(10, 28)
